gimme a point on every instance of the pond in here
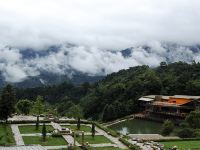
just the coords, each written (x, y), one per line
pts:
(137, 126)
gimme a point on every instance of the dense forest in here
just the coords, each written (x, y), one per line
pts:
(116, 95)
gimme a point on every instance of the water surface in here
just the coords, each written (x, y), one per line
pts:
(137, 126)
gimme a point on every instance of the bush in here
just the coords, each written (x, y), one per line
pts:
(109, 131)
(129, 145)
(196, 133)
(193, 119)
(186, 133)
(56, 135)
(167, 127)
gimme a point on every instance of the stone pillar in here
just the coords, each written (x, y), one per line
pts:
(82, 138)
(74, 139)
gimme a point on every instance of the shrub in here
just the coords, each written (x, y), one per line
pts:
(129, 145)
(109, 131)
(193, 119)
(167, 127)
(196, 133)
(56, 135)
(186, 133)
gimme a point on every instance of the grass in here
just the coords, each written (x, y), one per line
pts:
(27, 129)
(50, 141)
(98, 139)
(182, 145)
(83, 128)
(6, 135)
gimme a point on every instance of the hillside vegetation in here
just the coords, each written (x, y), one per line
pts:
(116, 95)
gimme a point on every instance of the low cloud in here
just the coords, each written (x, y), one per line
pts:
(90, 60)
(99, 30)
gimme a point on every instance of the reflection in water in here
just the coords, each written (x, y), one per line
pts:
(124, 130)
(137, 126)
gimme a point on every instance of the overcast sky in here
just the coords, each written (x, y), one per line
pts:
(95, 26)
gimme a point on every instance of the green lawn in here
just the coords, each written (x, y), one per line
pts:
(183, 145)
(31, 129)
(6, 135)
(83, 128)
(97, 140)
(50, 141)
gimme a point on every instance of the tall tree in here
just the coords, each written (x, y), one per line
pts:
(79, 123)
(24, 106)
(7, 102)
(193, 119)
(75, 111)
(37, 123)
(93, 130)
(44, 132)
(38, 106)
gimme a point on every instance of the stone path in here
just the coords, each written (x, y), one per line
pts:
(103, 145)
(35, 147)
(150, 136)
(56, 126)
(70, 140)
(34, 134)
(55, 147)
(17, 135)
(113, 139)
(89, 133)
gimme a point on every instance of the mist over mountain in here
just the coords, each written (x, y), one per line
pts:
(79, 64)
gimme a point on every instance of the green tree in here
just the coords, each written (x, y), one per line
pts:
(75, 111)
(63, 107)
(38, 106)
(37, 124)
(193, 87)
(7, 102)
(193, 119)
(24, 106)
(167, 127)
(93, 130)
(109, 113)
(44, 132)
(78, 123)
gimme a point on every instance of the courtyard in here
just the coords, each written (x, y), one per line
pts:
(27, 135)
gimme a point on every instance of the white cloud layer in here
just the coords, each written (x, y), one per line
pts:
(15, 67)
(96, 27)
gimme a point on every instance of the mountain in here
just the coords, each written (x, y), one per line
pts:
(53, 64)
(116, 95)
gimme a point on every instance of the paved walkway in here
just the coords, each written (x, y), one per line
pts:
(113, 139)
(56, 126)
(70, 140)
(34, 134)
(17, 135)
(55, 147)
(35, 147)
(103, 145)
(150, 137)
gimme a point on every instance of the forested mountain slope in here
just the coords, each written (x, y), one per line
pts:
(116, 95)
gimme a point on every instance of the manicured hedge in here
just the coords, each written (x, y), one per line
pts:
(109, 131)
(181, 139)
(129, 145)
